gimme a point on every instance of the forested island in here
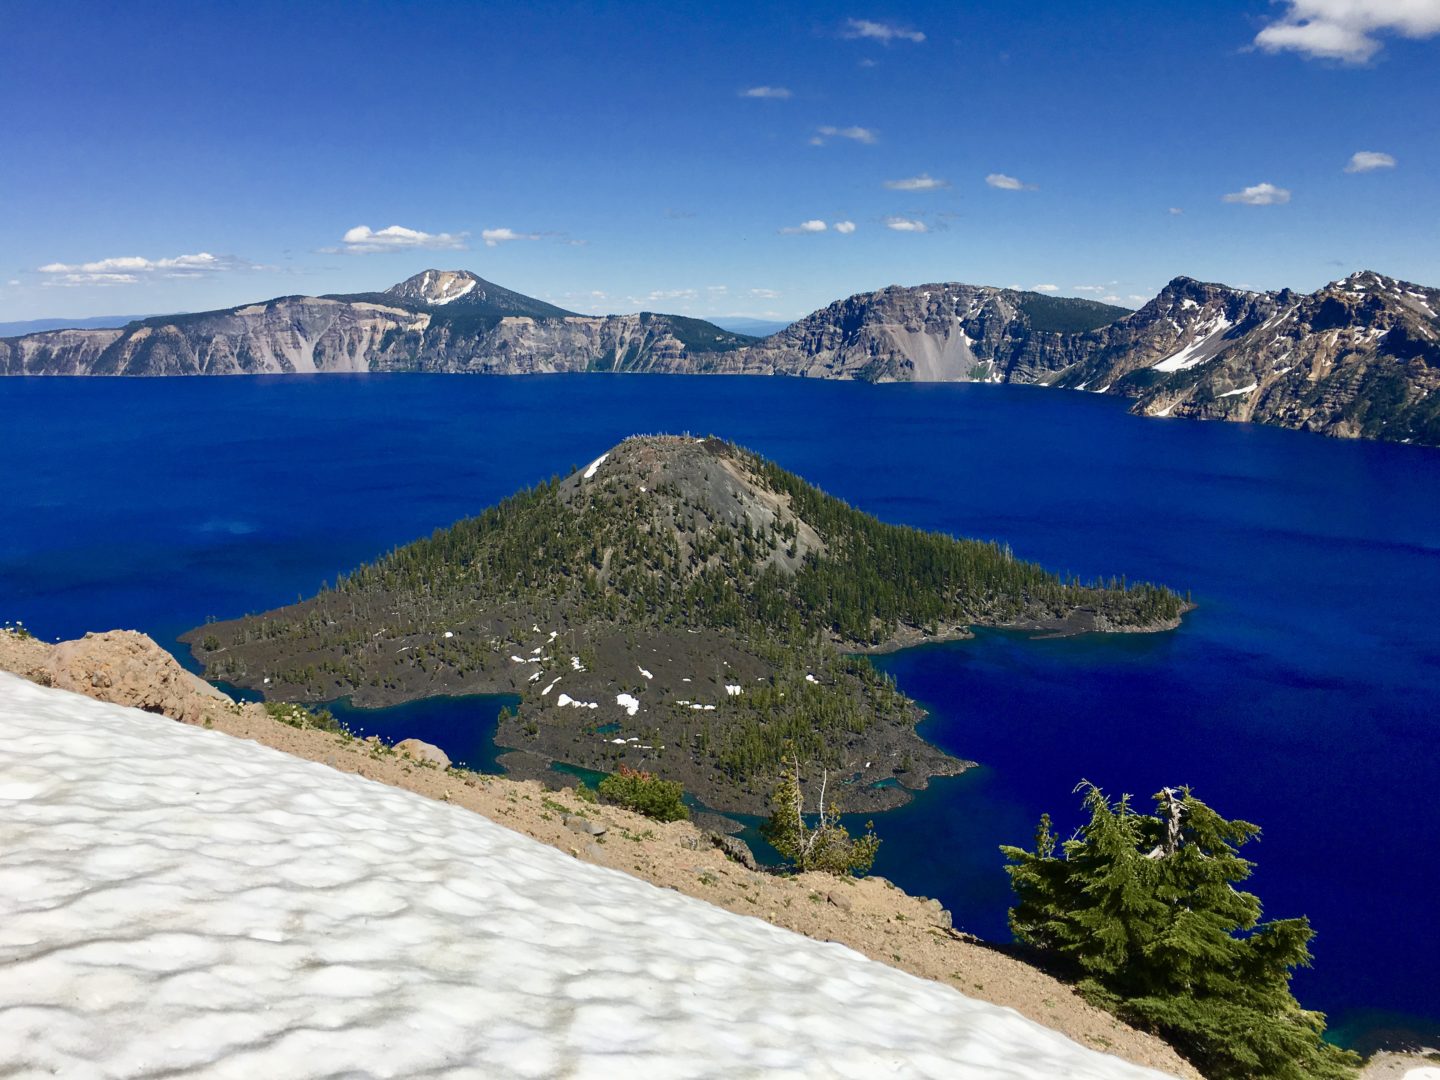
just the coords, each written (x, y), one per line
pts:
(681, 605)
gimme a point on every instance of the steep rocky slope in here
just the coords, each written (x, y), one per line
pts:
(434, 321)
(1359, 357)
(943, 332)
(680, 605)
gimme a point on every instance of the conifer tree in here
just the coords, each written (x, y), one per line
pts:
(1143, 908)
(826, 845)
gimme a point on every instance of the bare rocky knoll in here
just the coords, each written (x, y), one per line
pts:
(1357, 358)
(869, 915)
(681, 605)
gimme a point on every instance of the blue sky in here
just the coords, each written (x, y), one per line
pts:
(612, 157)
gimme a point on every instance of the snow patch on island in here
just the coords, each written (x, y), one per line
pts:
(565, 699)
(596, 464)
(178, 901)
(629, 702)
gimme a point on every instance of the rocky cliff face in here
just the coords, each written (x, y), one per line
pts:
(1358, 358)
(435, 321)
(943, 332)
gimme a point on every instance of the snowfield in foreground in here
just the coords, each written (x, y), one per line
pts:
(172, 899)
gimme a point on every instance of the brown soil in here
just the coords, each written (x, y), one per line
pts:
(870, 915)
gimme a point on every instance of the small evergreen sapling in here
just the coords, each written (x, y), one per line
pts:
(827, 845)
(1144, 910)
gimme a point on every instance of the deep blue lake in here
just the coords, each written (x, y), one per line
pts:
(1301, 695)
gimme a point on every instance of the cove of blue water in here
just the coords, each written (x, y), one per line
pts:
(1301, 695)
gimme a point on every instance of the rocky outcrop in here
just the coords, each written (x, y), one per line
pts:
(419, 750)
(119, 666)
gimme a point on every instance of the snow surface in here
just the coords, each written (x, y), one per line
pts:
(465, 290)
(1242, 390)
(1193, 354)
(629, 702)
(596, 464)
(565, 699)
(174, 900)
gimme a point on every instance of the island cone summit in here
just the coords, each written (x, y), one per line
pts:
(679, 604)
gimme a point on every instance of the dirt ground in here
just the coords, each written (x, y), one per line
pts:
(870, 915)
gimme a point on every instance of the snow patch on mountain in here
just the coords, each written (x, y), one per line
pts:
(1198, 351)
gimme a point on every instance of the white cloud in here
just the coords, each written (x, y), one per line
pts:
(1347, 30)
(884, 33)
(1136, 298)
(1007, 183)
(814, 225)
(923, 182)
(858, 134)
(1091, 288)
(868, 63)
(1369, 161)
(1045, 288)
(1111, 299)
(910, 225)
(765, 294)
(774, 93)
(492, 237)
(1260, 195)
(363, 240)
(132, 269)
(1175, 211)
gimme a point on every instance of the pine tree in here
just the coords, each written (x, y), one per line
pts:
(827, 845)
(1144, 909)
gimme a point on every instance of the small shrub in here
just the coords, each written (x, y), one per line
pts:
(301, 716)
(645, 793)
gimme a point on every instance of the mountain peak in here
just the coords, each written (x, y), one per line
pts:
(438, 287)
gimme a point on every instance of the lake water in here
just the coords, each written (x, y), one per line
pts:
(1301, 695)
